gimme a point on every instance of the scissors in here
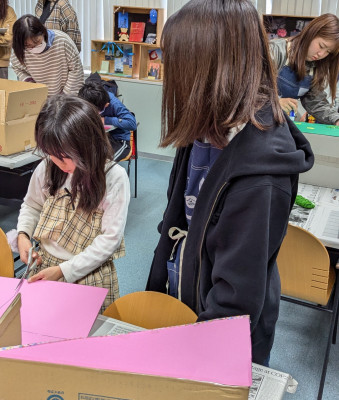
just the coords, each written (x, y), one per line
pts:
(30, 266)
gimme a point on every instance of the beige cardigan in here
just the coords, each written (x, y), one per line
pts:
(6, 39)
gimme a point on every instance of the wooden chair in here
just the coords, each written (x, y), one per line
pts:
(133, 155)
(308, 279)
(150, 310)
(6, 257)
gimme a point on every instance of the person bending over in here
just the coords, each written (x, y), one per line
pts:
(114, 113)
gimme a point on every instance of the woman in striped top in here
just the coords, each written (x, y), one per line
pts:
(46, 56)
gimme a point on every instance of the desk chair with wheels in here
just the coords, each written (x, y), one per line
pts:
(6, 257)
(308, 279)
(150, 310)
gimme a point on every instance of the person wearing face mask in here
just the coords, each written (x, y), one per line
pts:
(306, 64)
(7, 19)
(46, 56)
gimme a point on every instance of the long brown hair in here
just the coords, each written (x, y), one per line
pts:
(3, 9)
(326, 72)
(70, 127)
(217, 72)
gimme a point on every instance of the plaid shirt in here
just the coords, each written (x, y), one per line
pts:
(63, 18)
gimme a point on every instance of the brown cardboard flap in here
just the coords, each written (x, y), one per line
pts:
(25, 102)
(2, 106)
(22, 98)
(24, 120)
(40, 380)
(10, 324)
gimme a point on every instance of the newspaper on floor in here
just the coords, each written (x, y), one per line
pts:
(322, 220)
(268, 384)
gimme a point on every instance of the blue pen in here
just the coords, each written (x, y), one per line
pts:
(292, 115)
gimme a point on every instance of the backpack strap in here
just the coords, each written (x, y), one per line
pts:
(45, 13)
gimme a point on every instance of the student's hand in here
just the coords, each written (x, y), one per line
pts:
(337, 123)
(24, 244)
(288, 104)
(47, 274)
(103, 120)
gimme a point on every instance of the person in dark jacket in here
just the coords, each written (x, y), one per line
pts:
(113, 113)
(235, 174)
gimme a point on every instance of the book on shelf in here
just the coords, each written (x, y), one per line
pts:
(118, 65)
(137, 31)
(104, 67)
(153, 71)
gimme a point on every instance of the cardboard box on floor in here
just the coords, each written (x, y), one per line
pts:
(20, 104)
(205, 361)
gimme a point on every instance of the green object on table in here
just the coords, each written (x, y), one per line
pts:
(303, 202)
(318, 129)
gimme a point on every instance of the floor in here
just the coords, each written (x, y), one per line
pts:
(301, 332)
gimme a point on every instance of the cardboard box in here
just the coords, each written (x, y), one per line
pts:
(206, 361)
(324, 140)
(10, 324)
(20, 104)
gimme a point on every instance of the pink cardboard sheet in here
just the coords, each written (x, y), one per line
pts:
(217, 351)
(53, 310)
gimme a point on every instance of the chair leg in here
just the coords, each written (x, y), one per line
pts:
(135, 176)
(334, 338)
(129, 167)
(335, 329)
(334, 321)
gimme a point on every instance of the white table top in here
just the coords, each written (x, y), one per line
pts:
(322, 220)
(18, 159)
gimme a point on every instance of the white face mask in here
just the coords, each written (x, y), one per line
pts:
(38, 49)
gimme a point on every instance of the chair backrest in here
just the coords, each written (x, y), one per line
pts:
(150, 310)
(304, 267)
(6, 257)
(132, 150)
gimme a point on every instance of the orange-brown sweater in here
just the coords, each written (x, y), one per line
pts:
(6, 39)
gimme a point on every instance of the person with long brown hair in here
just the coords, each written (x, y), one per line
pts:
(307, 63)
(7, 19)
(77, 200)
(235, 173)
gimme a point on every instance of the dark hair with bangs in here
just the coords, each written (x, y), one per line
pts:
(327, 69)
(26, 27)
(95, 93)
(3, 9)
(70, 127)
(218, 72)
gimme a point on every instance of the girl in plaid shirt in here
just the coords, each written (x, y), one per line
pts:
(77, 200)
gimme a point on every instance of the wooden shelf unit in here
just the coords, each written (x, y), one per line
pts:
(141, 50)
(98, 55)
(291, 24)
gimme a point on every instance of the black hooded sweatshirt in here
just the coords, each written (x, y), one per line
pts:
(238, 224)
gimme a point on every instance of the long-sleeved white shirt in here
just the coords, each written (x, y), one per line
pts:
(114, 206)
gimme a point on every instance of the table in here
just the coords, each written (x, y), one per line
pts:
(16, 171)
(322, 220)
(18, 159)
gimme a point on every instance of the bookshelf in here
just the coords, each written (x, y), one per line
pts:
(280, 26)
(126, 59)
